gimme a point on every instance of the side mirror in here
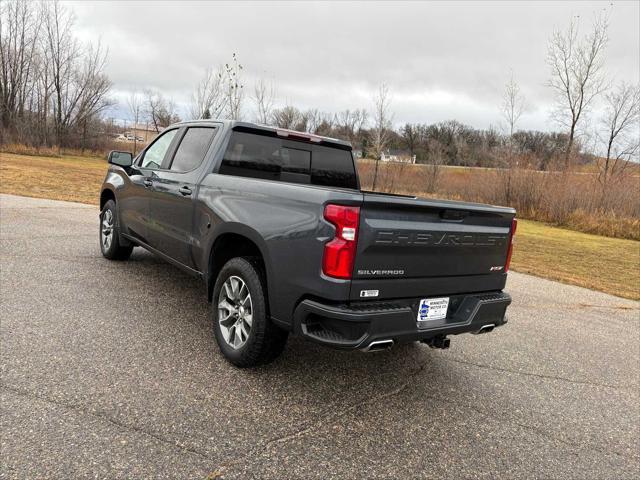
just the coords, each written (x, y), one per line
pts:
(122, 159)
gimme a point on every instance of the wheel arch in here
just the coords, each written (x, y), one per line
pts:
(236, 240)
(106, 195)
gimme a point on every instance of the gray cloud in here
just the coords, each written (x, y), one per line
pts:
(441, 60)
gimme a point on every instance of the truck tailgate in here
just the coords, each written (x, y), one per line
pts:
(417, 247)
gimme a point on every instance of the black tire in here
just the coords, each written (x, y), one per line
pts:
(265, 341)
(110, 243)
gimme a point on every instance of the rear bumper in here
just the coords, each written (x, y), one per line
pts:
(359, 324)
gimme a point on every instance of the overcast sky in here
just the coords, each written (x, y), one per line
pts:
(441, 60)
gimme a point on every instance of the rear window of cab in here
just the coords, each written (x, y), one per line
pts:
(281, 159)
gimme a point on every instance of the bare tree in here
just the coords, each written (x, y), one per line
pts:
(358, 135)
(80, 86)
(411, 136)
(19, 29)
(91, 86)
(577, 74)
(320, 123)
(312, 120)
(264, 95)
(513, 105)
(89, 95)
(382, 126)
(48, 79)
(62, 52)
(41, 99)
(234, 88)
(135, 104)
(621, 131)
(359, 120)
(303, 123)
(437, 154)
(160, 112)
(287, 117)
(350, 122)
(153, 104)
(209, 100)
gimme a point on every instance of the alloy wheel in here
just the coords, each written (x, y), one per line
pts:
(235, 312)
(106, 232)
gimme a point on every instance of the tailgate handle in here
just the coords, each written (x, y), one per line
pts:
(453, 215)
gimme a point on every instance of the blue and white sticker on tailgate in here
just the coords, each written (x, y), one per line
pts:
(433, 309)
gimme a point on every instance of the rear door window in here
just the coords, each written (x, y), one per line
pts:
(272, 158)
(192, 149)
(333, 168)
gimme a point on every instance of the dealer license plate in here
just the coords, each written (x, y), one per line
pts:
(433, 309)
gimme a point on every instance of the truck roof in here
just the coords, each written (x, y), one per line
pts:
(233, 124)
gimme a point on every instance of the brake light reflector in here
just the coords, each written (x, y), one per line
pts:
(512, 233)
(298, 135)
(340, 253)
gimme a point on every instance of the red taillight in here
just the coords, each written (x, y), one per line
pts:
(340, 252)
(512, 234)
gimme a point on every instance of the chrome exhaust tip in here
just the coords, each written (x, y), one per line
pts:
(486, 328)
(378, 346)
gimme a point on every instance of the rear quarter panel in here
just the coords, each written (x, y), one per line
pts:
(286, 221)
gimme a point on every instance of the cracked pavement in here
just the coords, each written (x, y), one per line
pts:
(110, 370)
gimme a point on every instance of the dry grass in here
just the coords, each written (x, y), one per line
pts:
(572, 200)
(611, 265)
(74, 179)
(607, 264)
(22, 149)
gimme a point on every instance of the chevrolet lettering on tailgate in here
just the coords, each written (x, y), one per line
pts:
(439, 239)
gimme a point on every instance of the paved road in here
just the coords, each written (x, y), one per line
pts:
(109, 370)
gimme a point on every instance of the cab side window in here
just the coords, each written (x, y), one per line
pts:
(154, 155)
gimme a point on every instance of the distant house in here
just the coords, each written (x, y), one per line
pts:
(400, 156)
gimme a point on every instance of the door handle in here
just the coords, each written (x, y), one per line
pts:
(185, 191)
(147, 182)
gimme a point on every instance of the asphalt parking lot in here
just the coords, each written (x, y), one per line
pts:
(109, 370)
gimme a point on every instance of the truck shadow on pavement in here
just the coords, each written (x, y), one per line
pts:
(305, 370)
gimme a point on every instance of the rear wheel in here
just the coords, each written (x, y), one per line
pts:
(110, 234)
(245, 334)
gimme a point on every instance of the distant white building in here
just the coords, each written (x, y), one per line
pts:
(399, 156)
(141, 132)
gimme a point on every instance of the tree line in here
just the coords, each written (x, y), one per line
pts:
(52, 86)
(54, 91)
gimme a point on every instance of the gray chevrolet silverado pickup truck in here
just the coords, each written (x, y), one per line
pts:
(275, 224)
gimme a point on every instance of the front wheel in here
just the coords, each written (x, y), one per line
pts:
(110, 234)
(245, 334)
